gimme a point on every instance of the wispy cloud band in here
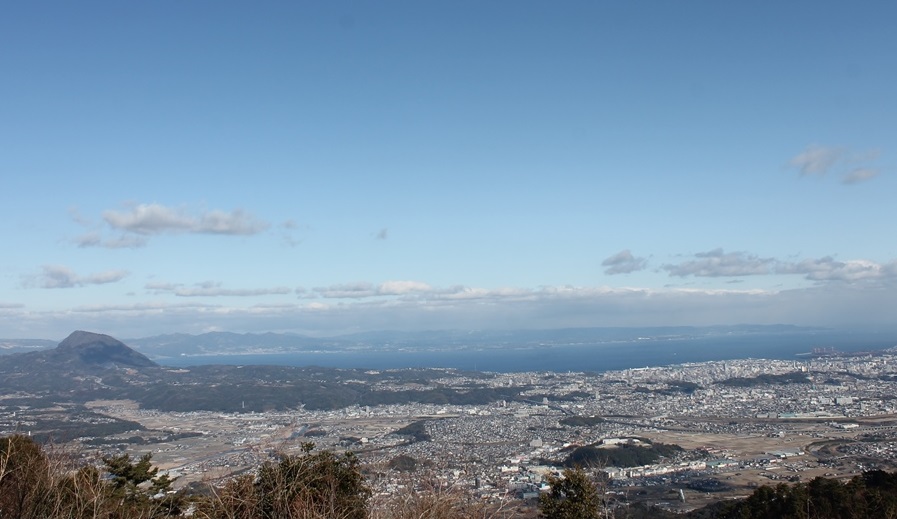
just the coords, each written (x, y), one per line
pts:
(718, 263)
(150, 219)
(213, 289)
(854, 167)
(623, 262)
(58, 276)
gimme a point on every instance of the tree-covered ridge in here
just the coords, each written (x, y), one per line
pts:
(622, 455)
(417, 431)
(581, 421)
(313, 484)
(872, 494)
(37, 484)
(45, 483)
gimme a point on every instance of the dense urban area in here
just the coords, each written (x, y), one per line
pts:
(678, 437)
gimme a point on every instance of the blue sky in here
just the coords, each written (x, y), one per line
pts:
(334, 167)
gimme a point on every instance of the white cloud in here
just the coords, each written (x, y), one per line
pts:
(360, 290)
(816, 160)
(135, 225)
(828, 304)
(101, 278)
(152, 219)
(234, 222)
(78, 218)
(820, 160)
(139, 309)
(347, 291)
(58, 276)
(213, 289)
(149, 219)
(623, 262)
(160, 286)
(231, 292)
(94, 239)
(828, 269)
(91, 239)
(484, 294)
(416, 291)
(394, 288)
(718, 263)
(859, 175)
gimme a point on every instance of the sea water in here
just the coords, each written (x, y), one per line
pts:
(596, 357)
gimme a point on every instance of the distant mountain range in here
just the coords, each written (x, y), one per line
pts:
(226, 343)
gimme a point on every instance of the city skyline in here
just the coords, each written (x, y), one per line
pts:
(327, 169)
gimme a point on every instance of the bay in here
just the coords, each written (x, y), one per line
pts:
(594, 357)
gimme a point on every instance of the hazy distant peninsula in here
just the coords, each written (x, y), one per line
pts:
(568, 349)
(225, 343)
